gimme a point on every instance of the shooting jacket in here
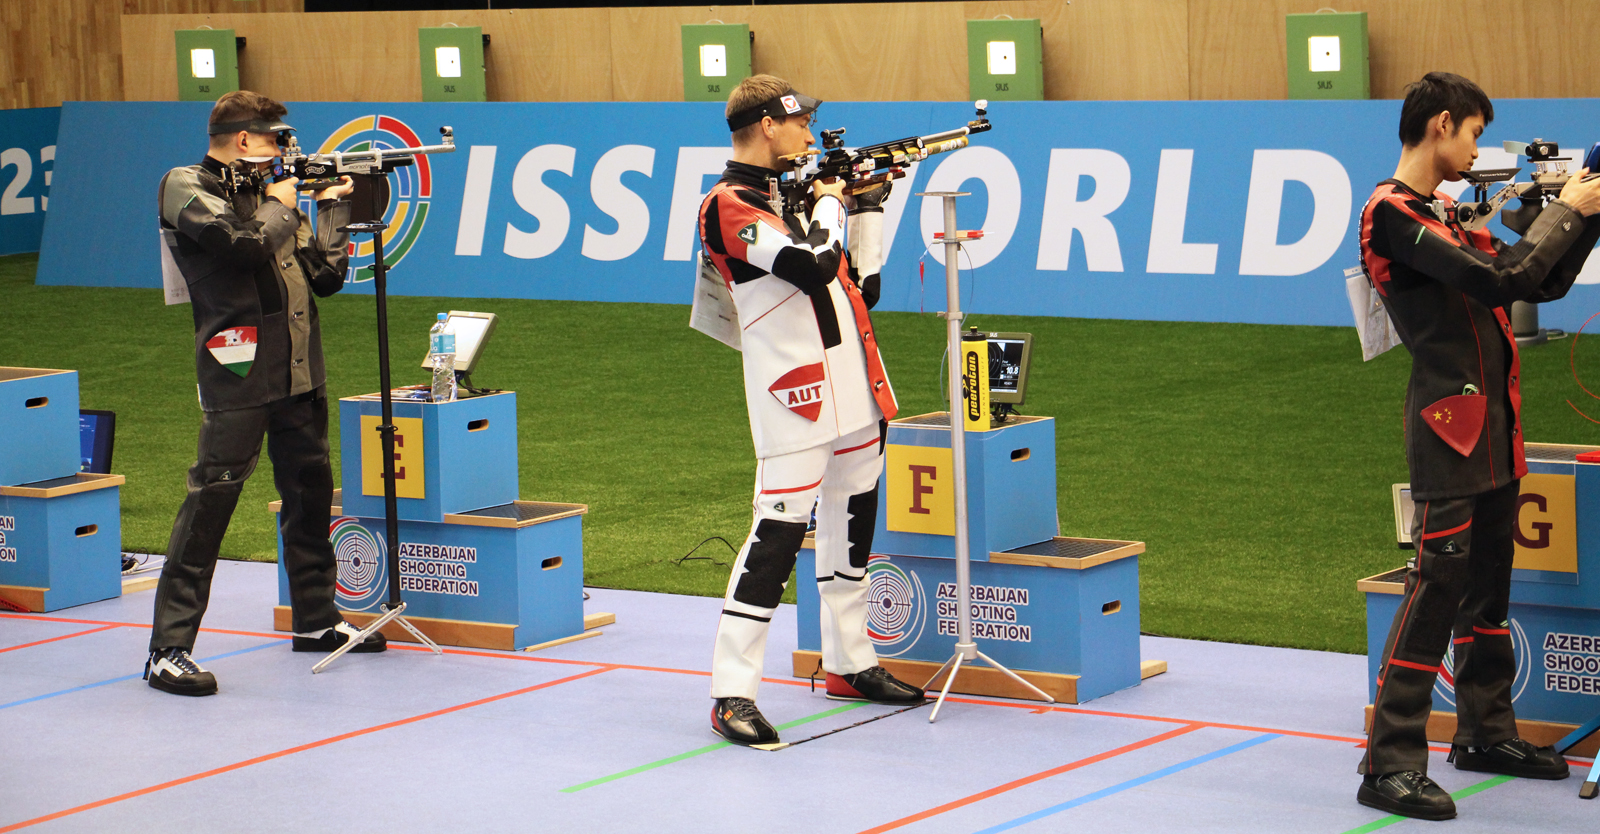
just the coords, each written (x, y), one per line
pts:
(1447, 290)
(251, 265)
(812, 371)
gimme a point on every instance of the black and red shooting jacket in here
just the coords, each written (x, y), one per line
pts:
(1448, 290)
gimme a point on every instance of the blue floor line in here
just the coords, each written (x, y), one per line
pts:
(133, 676)
(1131, 783)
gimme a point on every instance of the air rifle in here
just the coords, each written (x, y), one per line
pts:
(318, 171)
(1549, 175)
(869, 167)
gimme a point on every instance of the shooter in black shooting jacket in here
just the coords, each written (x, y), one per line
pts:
(1447, 291)
(252, 260)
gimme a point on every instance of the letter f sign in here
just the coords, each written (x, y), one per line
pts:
(919, 489)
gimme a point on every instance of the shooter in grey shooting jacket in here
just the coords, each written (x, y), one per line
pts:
(251, 261)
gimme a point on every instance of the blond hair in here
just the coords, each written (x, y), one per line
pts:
(751, 92)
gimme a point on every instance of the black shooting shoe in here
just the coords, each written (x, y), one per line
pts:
(173, 670)
(1513, 757)
(330, 639)
(738, 720)
(875, 685)
(1407, 793)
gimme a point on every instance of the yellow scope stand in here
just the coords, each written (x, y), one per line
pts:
(975, 380)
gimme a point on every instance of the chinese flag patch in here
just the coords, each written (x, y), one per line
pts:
(234, 348)
(800, 391)
(1458, 420)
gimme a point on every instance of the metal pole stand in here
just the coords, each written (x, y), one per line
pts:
(394, 607)
(966, 647)
(1591, 783)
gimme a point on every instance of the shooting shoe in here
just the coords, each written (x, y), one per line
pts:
(172, 670)
(1408, 793)
(330, 639)
(1513, 757)
(738, 720)
(875, 685)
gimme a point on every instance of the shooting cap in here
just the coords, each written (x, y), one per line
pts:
(790, 103)
(250, 125)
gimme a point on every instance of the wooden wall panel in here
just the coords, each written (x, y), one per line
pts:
(55, 50)
(211, 6)
(1512, 48)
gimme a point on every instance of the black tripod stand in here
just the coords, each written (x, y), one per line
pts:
(377, 186)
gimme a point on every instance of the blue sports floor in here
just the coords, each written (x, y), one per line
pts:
(612, 734)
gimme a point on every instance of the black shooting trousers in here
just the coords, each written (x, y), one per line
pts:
(1456, 598)
(296, 429)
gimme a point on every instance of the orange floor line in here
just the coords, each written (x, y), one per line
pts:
(1028, 780)
(298, 749)
(53, 639)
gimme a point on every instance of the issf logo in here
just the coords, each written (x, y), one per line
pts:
(1445, 685)
(410, 189)
(363, 565)
(897, 607)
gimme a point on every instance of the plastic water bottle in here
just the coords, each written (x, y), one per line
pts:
(442, 356)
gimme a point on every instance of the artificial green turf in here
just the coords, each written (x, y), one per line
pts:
(1255, 461)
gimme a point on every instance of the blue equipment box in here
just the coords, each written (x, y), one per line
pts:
(505, 577)
(1011, 487)
(40, 405)
(1063, 613)
(61, 542)
(450, 457)
(1555, 595)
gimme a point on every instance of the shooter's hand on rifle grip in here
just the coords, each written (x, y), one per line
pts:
(343, 189)
(1583, 196)
(833, 188)
(284, 191)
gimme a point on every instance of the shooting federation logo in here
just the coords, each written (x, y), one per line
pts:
(362, 556)
(410, 189)
(790, 104)
(1445, 685)
(897, 607)
(800, 391)
(234, 349)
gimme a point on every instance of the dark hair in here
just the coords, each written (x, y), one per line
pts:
(245, 106)
(1434, 94)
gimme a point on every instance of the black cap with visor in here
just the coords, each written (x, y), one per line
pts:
(265, 126)
(789, 103)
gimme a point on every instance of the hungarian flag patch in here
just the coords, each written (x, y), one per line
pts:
(1458, 420)
(234, 349)
(800, 391)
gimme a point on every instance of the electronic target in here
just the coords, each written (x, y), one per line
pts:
(410, 189)
(363, 558)
(1445, 685)
(897, 607)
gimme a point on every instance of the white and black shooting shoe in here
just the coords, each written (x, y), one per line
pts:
(173, 670)
(330, 639)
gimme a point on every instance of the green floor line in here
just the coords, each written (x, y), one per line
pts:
(1465, 792)
(706, 749)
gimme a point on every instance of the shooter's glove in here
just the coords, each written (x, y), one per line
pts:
(874, 198)
(1519, 219)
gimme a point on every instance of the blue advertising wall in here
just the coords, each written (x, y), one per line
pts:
(1199, 211)
(27, 165)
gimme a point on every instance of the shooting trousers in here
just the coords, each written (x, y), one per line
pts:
(1456, 601)
(296, 429)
